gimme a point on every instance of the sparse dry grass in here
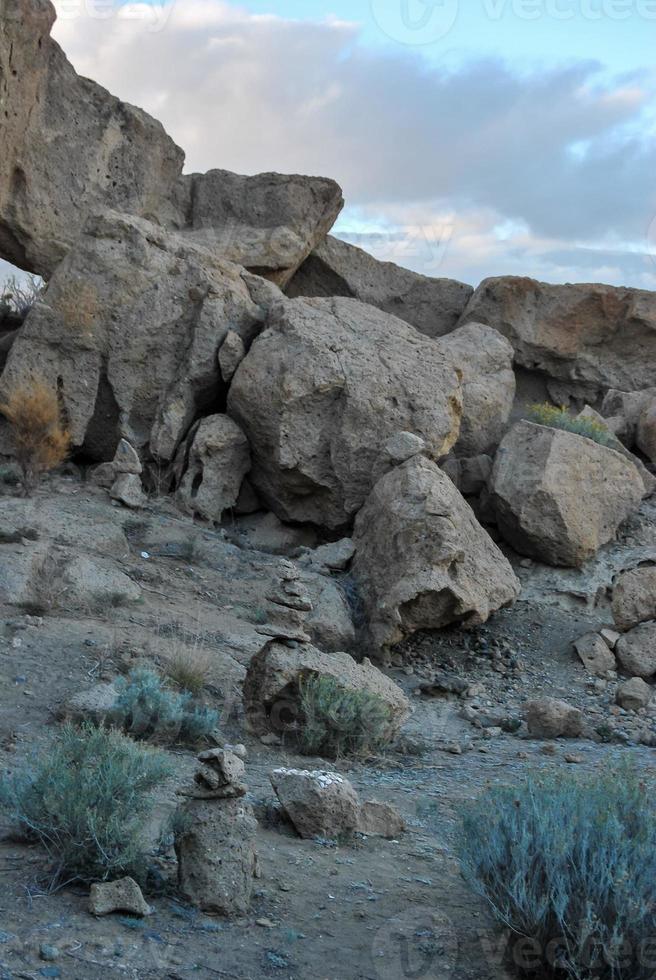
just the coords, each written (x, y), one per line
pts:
(40, 440)
(188, 666)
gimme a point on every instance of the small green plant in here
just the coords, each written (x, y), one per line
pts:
(559, 418)
(337, 721)
(86, 800)
(146, 709)
(568, 863)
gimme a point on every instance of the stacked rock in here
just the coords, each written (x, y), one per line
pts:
(288, 607)
(215, 845)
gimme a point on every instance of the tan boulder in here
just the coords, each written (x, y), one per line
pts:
(320, 393)
(319, 804)
(218, 460)
(122, 895)
(634, 694)
(634, 597)
(614, 442)
(552, 718)
(484, 360)
(595, 654)
(636, 651)
(129, 330)
(583, 332)
(268, 223)
(69, 148)
(336, 268)
(271, 686)
(559, 497)
(422, 559)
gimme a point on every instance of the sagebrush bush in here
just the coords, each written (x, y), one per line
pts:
(338, 721)
(146, 709)
(568, 862)
(559, 418)
(86, 800)
(40, 441)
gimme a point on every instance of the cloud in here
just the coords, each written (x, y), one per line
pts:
(564, 157)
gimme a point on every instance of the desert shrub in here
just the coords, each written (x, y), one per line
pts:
(146, 709)
(568, 863)
(559, 418)
(188, 666)
(40, 441)
(338, 721)
(85, 799)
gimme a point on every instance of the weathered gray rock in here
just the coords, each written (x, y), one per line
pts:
(333, 557)
(329, 623)
(140, 316)
(127, 489)
(634, 694)
(422, 560)
(320, 393)
(268, 223)
(319, 804)
(636, 651)
(595, 654)
(217, 859)
(231, 354)
(95, 705)
(614, 442)
(380, 820)
(69, 148)
(559, 497)
(634, 597)
(336, 268)
(271, 686)
(96, 582)
(126, 462)
(551, 718)
(484, 360)
(646, 431)
(219, 459)
(123, 895)
(622, 410)
(602, 335)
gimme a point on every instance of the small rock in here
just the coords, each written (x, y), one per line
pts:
(634, 694)
(127, 489)
(610, 637)
(552, 718)
(595, 654)
(573, 759)
(319, 804)
(48, 953)
(123, 895)
(380, 820)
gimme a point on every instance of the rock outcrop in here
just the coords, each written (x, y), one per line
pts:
(271, 685)
(336, 268)
(559, 497)
(268, 223)
(129, 331)
(604, 336)
(69, 148)
(422, 560)
(484, 360)
(218, 461)
(321, 391)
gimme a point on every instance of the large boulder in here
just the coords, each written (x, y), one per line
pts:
(484, 360)
(271, 686)
(552, 718)
(422, 560)
(218, 461)
(634, 597)
(320, 393)
(129, 331)
(336, 268)
(69, 148)
(268, 223)
(590, 333)
(558, 496)
(636, 651)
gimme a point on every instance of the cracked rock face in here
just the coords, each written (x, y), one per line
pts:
(129, 331)
(320, 393)
(69, 148)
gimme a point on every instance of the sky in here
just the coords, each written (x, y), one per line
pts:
(472, 138)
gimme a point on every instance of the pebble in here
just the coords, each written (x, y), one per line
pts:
(48, 952)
